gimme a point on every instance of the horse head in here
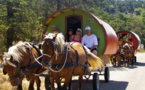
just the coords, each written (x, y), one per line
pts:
(48, 48)
(127, 49)
(13, 60)
(12, 68)
(52, 45)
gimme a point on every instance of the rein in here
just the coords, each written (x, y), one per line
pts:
(56, 71)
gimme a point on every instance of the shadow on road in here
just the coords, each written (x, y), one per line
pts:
(122, 68)
(117, 68)
(112, 85)
(140, 64)
(137, 64)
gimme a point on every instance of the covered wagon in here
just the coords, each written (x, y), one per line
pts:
(127, 36)
(73, 18)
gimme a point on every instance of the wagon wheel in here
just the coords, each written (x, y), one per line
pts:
(96, 83)
(132, 61)
(106, 74)
(134, 58)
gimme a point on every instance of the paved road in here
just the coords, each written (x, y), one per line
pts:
(122, 78)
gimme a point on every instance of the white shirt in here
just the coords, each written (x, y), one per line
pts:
(89, 41)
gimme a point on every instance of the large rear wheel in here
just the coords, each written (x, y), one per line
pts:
(96, 83)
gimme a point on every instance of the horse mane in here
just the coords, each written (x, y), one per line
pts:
(17, 50)
(60, 41)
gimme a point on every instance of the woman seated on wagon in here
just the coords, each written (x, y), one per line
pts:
(77, 37)
(70, 33)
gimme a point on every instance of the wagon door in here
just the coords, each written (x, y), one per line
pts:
(73, 22)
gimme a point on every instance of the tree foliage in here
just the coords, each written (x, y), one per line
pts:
(22, 19)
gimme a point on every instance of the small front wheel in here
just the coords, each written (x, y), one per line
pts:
(107, 74)
(96, 83)
(134, 57)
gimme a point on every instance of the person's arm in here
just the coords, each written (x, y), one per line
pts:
(95, 46)
(95, 41)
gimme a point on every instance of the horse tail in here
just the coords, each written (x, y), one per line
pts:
(93, 60)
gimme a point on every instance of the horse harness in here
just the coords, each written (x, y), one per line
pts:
(66, 48)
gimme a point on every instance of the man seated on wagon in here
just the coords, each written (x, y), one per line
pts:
(54, 29)
(90, 40)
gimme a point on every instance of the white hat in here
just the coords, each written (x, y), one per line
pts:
(88, 28)
(78, 29)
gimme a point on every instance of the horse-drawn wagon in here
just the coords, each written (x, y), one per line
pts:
(129, 42)
(133, 37)
(73, 18)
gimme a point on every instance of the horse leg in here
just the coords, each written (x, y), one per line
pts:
(49, 83)
(52, 83)
(31, 84)
(67, 82)
(19, 87)
(69, 87)
(124, 62)
(128, 63)
(58, 82)
(38, 82)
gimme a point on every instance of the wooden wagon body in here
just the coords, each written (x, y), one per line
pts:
(76, 18)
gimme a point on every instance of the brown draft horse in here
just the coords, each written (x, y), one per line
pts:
(20, 61)
(67, 59)
(127, 54)
(116, 58)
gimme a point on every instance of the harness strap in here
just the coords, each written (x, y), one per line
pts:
(67, 65)
(31, 66)
(36, 48)
(25, 69)
(76, 52)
